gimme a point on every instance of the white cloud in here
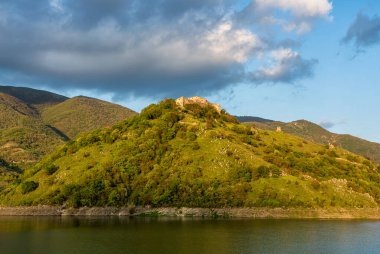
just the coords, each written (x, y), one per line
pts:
(300, 8)
(117, 50)
(147, 50)
(229, 43)
(299, 14)
(285, 65)
(56, 5)
(281, 58)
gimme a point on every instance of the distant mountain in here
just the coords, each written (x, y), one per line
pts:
(187, 153)
(81, 114)
(243, 119)
(316, 133)
(34, 122)
(33, 96)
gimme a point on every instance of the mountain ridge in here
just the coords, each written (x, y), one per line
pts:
(314, 132)
(33, 96)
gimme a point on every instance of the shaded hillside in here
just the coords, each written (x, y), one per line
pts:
(26, 135)
(24, 138)
(32, 96)
(193, 156)
(8, 173)
(316, 133)
(81, 114)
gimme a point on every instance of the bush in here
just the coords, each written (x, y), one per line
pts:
(195, 146)
(276, 171)
(263, 171)
(51, 169)
(191, 136)
(28, 186)
(315, 184)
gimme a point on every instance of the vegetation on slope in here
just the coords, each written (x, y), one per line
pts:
(8, 173)
(34, 122)
(24, 138)
(316, 133)
(81, 114)
(168, 156)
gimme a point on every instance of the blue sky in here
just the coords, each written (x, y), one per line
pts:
(284, 60)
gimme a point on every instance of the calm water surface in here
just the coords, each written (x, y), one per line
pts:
(139, 235)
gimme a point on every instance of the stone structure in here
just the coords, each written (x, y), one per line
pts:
(182, 101)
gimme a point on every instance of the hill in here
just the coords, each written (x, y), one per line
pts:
(34, 122)
(191, 155)
(80, 114)
(24, 137)
(316, 133)
(33, 96)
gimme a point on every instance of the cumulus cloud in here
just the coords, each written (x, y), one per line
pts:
(163, 47)
(286, 65)
(301, 8)
(290, 15)
(364, 31)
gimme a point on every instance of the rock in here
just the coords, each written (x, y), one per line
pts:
(182, 101)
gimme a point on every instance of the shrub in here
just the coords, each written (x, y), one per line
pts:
(28, 186)
(276, 171)
(195, 146)
(191, 136)
(151, 112)
(315, 184)
(263, 171)
(51, 169)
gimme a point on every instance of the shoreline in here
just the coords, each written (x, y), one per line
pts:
(252, 213)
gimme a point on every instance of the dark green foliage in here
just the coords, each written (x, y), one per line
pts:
(9, 166)
(263, 171)
(242, 173)
(51, 169)
(28, 186)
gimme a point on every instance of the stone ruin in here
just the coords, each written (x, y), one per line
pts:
(182, 101)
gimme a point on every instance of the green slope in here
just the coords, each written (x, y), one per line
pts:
(168, 156)
(316, 133)
(24, 138)
(81, 114)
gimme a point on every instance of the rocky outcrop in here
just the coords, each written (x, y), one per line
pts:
(182, 101)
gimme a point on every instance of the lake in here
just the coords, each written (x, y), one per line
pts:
(175, 235)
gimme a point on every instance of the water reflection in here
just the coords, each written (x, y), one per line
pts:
(173, 235)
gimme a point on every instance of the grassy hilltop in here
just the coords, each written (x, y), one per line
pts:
(196, 157)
